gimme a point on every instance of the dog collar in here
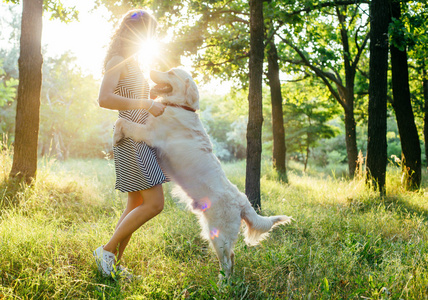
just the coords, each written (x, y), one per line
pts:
(181, 106)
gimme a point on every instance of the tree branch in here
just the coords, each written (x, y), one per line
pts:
(344, 39)
(294, 62)
(360, 51)
(353, 17)
(325, 76)
(323, 5)
(363, 73)
(298, 79)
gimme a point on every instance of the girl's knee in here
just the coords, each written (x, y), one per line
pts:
(154, 199)
(158, 206)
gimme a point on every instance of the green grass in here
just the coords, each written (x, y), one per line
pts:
(345, 242)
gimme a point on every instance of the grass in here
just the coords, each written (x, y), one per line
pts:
(345, 242)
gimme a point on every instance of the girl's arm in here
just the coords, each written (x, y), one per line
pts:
(107, 99)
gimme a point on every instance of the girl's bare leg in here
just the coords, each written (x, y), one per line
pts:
(151, 205)
(134, 200)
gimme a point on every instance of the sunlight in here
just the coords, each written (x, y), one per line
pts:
(149, 51)
(87, 39)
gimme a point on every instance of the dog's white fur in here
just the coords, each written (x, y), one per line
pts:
(185, 154)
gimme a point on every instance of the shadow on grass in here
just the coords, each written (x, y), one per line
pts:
(400, 203)
(397, 203)
(11, 191)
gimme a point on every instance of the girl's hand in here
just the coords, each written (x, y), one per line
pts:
(153, 94)
(156, 109)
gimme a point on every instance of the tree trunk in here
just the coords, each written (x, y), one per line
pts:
(347, 94)
(346, 97)
(307, 157)
(351, 140)
(279, 148)
(409, 137)
(255, 118)
(28, 101)
(425, 87)
(376, 144)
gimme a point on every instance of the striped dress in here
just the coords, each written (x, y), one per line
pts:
(135, 163)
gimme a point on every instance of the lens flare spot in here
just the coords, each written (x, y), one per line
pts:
(203, 204)
(214, 233)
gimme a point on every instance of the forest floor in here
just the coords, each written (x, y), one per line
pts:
(345, 243)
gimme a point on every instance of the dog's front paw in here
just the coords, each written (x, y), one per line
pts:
(118, 132)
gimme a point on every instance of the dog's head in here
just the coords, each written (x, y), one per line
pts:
(177, 87)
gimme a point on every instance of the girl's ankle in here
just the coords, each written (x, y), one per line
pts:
(108, 250)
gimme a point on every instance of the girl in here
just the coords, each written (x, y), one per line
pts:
(124, 88)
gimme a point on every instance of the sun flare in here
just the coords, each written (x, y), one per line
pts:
(149, 51)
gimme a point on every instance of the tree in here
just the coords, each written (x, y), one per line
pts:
(255, 112)
(376, 144)
(411, 30)
(30, 84)
(411, 150)
(425, 89)
(331, 49)
(307, 117)
(279, 148)
(30, 62)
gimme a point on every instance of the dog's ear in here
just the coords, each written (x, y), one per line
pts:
(191, 92)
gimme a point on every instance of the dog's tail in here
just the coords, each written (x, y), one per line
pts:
(258, 227)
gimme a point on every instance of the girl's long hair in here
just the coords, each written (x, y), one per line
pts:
(136, 23)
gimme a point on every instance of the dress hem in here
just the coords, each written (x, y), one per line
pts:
(141, 189)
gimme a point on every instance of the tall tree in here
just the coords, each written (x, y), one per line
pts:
(279, 148)
(409, 137)
(412, 28)
(376, 145)
(425, 93)
(30, 84)
(255, 113)
(30, 62)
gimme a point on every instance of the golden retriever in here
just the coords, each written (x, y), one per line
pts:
(185, 154)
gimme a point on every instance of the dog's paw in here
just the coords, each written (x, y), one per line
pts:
(117, 137)
(223, 281)
(118, 133)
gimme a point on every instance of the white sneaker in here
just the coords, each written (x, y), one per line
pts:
(105, 261)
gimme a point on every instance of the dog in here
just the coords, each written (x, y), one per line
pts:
(186, 156)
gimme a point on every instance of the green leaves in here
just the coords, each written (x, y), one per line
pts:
(57, 10)
(307, 114)
(410, 30)
(7, 87)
